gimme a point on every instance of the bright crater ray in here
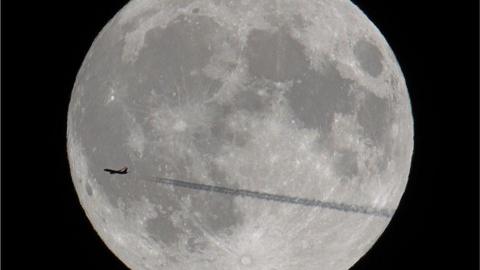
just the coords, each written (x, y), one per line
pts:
(301, 98)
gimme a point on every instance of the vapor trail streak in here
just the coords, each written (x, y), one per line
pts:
(278, 198)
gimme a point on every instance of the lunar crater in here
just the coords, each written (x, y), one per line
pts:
(369, 56)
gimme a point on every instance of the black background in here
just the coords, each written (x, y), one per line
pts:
(43, 46)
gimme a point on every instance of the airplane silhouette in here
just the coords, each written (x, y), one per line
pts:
(123, 170)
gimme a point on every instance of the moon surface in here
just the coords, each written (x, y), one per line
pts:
(284, 128)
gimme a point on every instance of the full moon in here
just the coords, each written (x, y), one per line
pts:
(258, 134)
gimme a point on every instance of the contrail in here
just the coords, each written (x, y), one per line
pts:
(279, 198)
